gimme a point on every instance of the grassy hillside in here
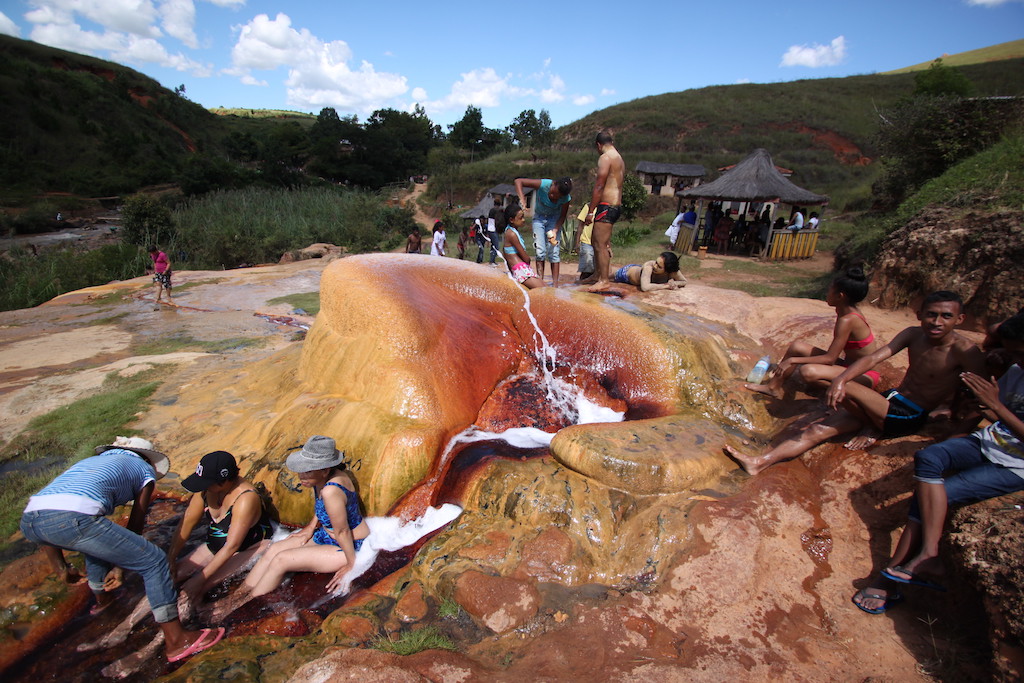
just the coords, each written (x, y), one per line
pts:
(77, 124)
(822, 129)
(994, 53)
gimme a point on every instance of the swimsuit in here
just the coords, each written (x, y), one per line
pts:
(355, 518)
(522, 272)
(904, 417)
(622, 274)
(860, 343)
(510, 248)
(217, 531)
(606, 213)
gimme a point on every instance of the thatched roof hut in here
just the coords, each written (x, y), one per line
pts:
(755, 179)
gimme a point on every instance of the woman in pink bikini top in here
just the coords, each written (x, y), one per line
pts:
(852, 338)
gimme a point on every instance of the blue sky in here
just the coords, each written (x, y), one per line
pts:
(568, 57)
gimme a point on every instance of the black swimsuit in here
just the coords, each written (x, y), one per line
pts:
(217, 532)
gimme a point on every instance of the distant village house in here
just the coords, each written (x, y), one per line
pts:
(664, 180)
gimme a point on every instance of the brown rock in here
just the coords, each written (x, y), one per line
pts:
(494, 547)
(411, 606)
(350, 627)
(499, 603)
(373, 666)
(545, 557)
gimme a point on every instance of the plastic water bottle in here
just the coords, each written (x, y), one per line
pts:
(760, 369)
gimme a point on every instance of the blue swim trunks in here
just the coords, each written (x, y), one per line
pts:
(622, 274)
(904, 417)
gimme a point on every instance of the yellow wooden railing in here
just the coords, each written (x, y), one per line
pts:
(787, 245)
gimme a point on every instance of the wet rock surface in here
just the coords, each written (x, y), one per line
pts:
(589, 562)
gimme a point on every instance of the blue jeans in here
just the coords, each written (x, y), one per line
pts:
(975, 476)
(544, 250)
(586, 264)
(105, 545)
(481, 244)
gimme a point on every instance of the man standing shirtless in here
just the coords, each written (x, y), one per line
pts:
(938, 354)
(605, 200)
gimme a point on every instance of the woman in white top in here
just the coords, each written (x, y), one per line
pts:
(437, 246)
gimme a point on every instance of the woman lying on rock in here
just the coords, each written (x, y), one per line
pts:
(238, 530)
(71, 513)
(328, 543)
(852, 338)
(985, 464)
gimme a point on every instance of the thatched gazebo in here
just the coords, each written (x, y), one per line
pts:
(755, 179)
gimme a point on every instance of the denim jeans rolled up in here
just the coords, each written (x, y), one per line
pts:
(967, 475)
(106, 545)
(544, 250)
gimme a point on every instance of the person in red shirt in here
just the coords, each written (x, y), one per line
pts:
(161, 274)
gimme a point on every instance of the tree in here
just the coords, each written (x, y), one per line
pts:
(524, 127)
(634, 197)
(467, 131)
(939, 79)
(544, 136)
(145, 220)
(444, 162)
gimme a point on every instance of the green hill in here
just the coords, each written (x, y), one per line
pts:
(77, 124)
(993, 53)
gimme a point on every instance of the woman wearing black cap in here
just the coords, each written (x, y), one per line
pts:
(237, 525)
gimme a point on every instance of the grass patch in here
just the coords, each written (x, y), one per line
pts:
(307, 301)
(449, 609)
(183, 341)
(411, 642)
(53, 441)
(108, 320)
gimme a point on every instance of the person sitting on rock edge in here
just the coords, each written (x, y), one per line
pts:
(852, 338)
(516, 258)
(938, 354)
(983, 465)
(328, 543)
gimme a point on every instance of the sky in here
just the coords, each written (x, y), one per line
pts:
(568, 57)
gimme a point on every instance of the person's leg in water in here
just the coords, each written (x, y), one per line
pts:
(840, 422)
(601, 239)
(189, 599)
(243, 593)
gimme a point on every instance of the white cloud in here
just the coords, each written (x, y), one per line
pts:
(990, 3)
(179, 20)
(72, 37)
(553, 93)
(319, 74)
(815, 56)
(419, 94)
(479, 87)
(605, 92)
(742, 81)
(227, 3)
(581, 100)
(128, 16)
(8, 27)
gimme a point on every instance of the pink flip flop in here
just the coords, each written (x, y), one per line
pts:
(201, 643)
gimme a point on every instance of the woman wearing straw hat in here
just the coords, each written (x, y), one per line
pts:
(70, 514)
(329, 542)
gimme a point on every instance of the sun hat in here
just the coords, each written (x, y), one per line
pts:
(318, 453)
(214, 468)
(140, 446)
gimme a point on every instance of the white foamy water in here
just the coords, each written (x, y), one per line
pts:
(389, 534)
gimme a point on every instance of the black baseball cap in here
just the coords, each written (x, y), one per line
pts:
(213, 468)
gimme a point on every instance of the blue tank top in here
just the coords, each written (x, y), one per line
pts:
(355, 518)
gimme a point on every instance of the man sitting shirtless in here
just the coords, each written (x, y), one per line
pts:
(938, 354)
(662, 273)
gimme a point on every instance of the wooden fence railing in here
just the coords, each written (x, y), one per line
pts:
(785, 245)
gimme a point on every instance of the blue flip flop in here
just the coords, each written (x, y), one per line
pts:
(914, 580)
(864, 593)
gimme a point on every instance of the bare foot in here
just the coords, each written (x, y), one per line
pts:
(862, 441)
(750, 464)
(599, 286)
(765, 389)
(126, 666)
(587, 281)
